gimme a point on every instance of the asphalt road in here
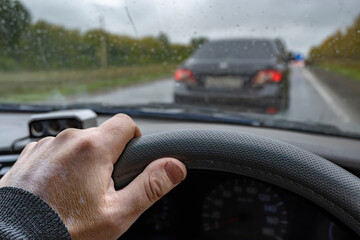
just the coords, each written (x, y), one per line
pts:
(158, 91)
(310, 99)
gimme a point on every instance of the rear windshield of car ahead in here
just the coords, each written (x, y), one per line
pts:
(236, 50)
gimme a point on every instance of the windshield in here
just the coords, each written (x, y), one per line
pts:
(274, 63)
(236, 49)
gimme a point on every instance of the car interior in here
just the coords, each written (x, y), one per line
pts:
(216, 201)
(271, 142)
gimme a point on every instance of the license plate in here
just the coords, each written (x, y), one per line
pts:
(223, 82)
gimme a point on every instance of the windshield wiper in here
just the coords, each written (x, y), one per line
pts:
(19, 107)
(219, 115)
(192, 113)
(310, 127)
(169, 111)
(173, 111)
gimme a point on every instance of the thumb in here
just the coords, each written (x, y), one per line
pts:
(158, 178)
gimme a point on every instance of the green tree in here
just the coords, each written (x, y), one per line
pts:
(47, 46)
(340, 46)
(14, 19)
(164, 39)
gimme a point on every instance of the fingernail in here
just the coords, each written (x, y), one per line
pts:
(174, 172)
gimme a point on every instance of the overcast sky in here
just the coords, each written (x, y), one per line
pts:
(301, 23)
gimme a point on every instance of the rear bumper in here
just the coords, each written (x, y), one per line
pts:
(267, 96)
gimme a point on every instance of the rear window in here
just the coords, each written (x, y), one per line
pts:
(240, 49)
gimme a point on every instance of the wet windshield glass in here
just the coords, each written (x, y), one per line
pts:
(240, 49)
(266, 60)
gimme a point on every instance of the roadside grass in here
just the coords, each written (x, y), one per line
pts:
(348, 69)
(42, 85)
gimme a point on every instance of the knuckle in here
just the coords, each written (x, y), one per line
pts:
(44, 140)
(123, 116)
(87, 142)
(67, 133)
(91, 129)
(154, 187)
(126, 119)
(30, 145)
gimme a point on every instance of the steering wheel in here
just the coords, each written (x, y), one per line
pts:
(289, 167)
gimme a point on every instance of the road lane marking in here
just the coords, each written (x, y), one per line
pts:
(328, 98)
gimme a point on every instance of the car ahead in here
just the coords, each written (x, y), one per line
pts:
(294, 175)
(237, 72)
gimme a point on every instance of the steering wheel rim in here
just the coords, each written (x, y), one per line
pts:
(289, 167)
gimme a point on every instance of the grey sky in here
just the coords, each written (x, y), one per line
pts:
(301, 23)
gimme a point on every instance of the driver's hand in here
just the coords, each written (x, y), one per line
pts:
(72, 173)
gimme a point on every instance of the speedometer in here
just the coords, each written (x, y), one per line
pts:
(244, 209)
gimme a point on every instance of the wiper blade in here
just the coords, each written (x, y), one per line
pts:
(172, 111)
(211, 114)
(158, 110)
(309, 127)
(192, 113)
(19, 107)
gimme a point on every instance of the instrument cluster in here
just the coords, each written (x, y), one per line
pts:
(215, 205)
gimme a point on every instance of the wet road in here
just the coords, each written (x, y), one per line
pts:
(158, 91)
(313, 101)
(310, 99)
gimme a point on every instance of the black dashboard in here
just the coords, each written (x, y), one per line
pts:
(216, 205)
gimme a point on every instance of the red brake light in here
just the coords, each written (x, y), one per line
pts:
(265, 76)
(184, 75)
(276, 76)
(271, 110)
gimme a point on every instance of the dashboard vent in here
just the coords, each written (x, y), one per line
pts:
(52, 123)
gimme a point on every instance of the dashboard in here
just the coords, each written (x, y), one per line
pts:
(217, 205)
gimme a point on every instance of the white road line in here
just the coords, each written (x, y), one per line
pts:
(329, 98)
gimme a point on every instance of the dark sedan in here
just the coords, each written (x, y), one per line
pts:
(236, 72)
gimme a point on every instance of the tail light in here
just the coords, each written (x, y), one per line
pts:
(184, 75)
(266, 76)
(271, 110)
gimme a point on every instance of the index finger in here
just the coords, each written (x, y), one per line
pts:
(117, 132)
